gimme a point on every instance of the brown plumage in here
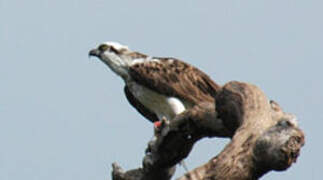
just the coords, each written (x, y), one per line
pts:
(157, 87)
(175, 78)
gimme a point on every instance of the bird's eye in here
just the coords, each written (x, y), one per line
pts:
(103, 47)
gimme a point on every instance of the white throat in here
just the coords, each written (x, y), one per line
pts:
(117, 64)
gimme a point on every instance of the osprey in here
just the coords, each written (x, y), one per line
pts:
(157, 87)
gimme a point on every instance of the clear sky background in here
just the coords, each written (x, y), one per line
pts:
(64, 116)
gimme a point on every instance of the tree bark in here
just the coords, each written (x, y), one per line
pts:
(263, 138)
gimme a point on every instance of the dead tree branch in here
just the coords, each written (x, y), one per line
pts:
(264, 138)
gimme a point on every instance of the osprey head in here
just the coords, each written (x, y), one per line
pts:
(118, 57)
(108, 49)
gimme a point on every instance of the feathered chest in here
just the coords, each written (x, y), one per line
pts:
(160, 104)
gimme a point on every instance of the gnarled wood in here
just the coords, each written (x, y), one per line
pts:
(264, 138)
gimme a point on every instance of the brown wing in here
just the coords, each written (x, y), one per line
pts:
(139, 107)
(175, 78)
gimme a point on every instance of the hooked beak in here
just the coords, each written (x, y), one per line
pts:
(95, 52)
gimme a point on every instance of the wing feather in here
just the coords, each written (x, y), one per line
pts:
(175, 78)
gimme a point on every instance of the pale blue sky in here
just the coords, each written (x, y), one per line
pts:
(64, 116)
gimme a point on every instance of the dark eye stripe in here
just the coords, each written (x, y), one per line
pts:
(114, 50)
(103, 47)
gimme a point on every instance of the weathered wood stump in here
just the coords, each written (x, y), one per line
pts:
(263, 138)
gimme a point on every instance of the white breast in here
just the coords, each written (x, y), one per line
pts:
(161, 105)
